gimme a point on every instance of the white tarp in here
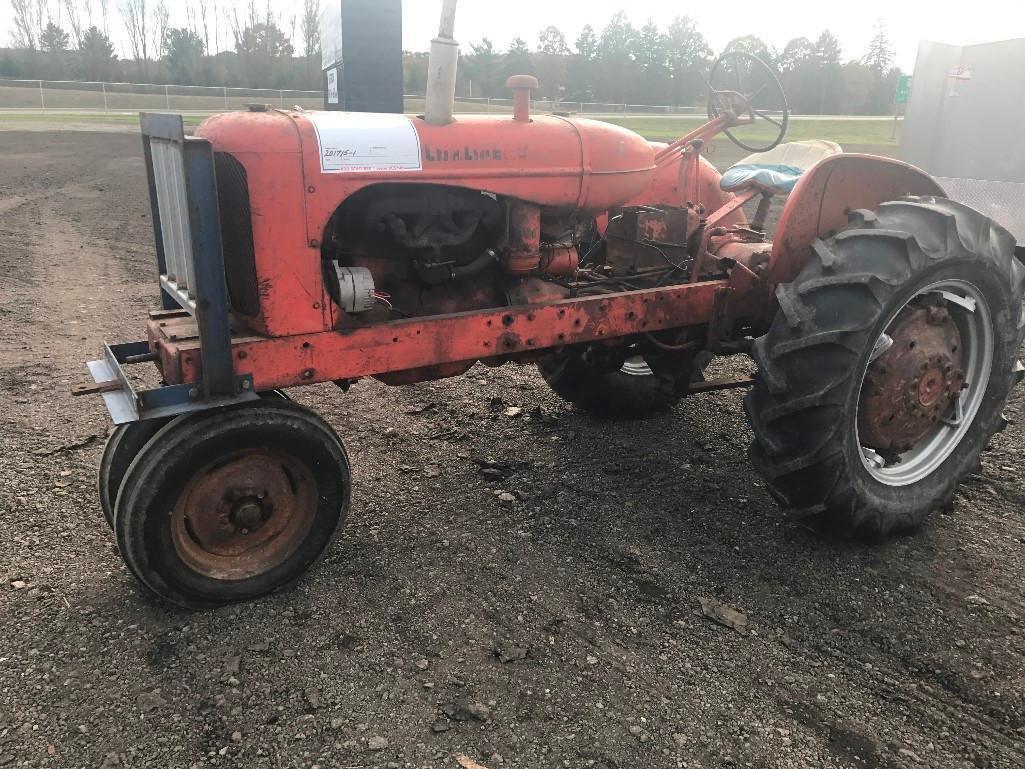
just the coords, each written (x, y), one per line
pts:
(353, 142)
(332, 85)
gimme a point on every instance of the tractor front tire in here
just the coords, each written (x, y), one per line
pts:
(124, 443)
(230, 504)
(855, 428)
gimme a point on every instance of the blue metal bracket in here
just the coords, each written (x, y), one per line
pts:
(127, 404)
(206, 297)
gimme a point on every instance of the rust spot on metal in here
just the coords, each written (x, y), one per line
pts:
(911, 385)
(244, 514)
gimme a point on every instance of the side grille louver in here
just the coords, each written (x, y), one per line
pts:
(237, 235)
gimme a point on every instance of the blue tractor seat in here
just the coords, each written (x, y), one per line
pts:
(777, 171)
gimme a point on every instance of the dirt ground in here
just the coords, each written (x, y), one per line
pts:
(561, 630)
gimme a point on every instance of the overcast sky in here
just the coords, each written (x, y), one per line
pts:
(949, 21)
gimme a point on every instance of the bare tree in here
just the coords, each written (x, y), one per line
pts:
(310, 27)
(75, 9)
(190, 17)
(250, 18)
(30, 19)
(104, 6)
(158, 26)
(199, 16)
(135, 16)
(291, 26)
(24, 34)
(217, 27)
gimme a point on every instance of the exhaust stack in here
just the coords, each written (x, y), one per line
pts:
(441, 69)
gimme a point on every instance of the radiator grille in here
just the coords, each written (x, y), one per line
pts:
(173, 208)
(237, 235)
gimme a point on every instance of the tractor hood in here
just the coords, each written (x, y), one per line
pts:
(556, 162)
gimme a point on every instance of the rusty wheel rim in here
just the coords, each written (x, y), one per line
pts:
(924, 382)
(244, 514)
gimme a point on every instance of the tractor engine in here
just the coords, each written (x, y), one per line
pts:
(336, 221)
(415, 250)
(395, 251)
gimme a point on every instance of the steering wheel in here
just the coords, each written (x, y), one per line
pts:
(745, 86)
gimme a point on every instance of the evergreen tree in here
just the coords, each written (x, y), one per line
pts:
(53, 39)
(264, 39)
(617, 39)
(517, 60)
(688, 56)
(753, 45)
(183, 52)
(552, 42)
(799, 72)
(827, 50)
(829, 81)
(96, 57)
(879, 57)
(615, 75)
(651, 50)
(798, 53)
(484, 67)
(551, 60)
(261, 47)
(587, 43)
(650, 71)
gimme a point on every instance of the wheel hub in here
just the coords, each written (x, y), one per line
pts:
(248, 513)
(244, 514)
(911, 386)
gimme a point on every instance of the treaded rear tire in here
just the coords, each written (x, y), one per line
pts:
(803, 406)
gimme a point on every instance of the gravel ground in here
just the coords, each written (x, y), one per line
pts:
(560, 625)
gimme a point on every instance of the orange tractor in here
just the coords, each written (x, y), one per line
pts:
(297, 247)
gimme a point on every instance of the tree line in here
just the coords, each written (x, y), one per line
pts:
(249, 47)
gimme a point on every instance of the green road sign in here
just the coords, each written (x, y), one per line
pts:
(900, 96)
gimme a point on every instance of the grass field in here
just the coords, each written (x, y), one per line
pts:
(91, 96)
(842, 131)
(115, 97)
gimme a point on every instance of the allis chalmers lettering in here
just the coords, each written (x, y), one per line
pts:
(437, 155)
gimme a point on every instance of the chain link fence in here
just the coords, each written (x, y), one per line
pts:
(116, 97)
(127, 97)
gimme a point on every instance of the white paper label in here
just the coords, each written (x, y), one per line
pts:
(354, 142)
(332, 86)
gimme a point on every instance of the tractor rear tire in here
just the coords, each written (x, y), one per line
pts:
(834, 322)
(632, 392)
(231, 504)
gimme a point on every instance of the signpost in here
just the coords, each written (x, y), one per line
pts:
(900, 100)
(361, 55)
(900, 96)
